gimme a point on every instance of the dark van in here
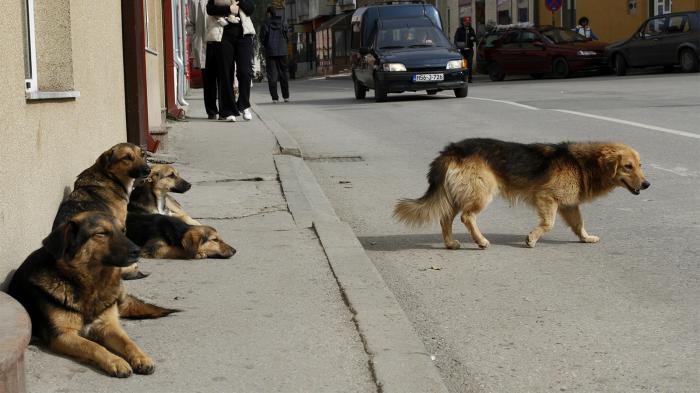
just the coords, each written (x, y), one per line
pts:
(402, 47)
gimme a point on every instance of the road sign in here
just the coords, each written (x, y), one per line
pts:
(553, 5)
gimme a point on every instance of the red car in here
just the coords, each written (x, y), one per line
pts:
(538, 51)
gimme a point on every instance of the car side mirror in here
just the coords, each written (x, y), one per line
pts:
(363, 50)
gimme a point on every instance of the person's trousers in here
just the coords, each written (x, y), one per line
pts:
(468, 54)
(235, 58)
(210, 78)
(277, 69)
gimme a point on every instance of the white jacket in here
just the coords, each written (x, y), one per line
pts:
(216, 31)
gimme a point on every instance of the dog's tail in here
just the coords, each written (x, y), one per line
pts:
(435, 203)
(134, 308)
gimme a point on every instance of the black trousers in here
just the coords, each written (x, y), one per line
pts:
(236, 57)
(210, 78)
(277, 69)
(468, 54)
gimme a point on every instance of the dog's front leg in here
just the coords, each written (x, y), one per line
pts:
(110, 332)
(572, 217)
(71, 344)
(547, 211)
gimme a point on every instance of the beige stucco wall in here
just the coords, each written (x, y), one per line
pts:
(44, 145)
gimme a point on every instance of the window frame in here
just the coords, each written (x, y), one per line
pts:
(31, 84)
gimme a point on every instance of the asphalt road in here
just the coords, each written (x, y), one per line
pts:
(618, 316)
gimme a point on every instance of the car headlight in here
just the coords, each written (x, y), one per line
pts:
(586, 53)
(393, 67)
(456, 64)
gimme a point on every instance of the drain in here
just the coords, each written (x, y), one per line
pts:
(334, 158)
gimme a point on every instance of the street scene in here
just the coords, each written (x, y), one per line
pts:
(351, 196)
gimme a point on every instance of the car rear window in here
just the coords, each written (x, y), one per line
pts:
(562, 36)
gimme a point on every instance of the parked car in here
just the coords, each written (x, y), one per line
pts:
(537, 51)
(402, 47)
(664, 40)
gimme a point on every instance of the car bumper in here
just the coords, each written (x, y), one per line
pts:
(397, 82)
(585, 63)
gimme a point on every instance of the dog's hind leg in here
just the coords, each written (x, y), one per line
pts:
(469, 221)
(134, 308)
(446, 224)
(547, 210)
(572, 217)
(109, 332)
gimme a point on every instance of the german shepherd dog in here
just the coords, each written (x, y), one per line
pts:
(150, 194)
(72, 290)
(167, 237)
(105, 187)
(549, 177)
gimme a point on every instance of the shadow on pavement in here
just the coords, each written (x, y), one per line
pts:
(434, 241)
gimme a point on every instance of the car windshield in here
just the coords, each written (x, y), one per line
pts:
(561, 36)
(403, 35)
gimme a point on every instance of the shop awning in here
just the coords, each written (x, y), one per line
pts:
(337, 20)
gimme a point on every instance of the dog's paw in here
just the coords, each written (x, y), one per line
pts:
(531, 241)
(484, 244)
(118, 367)
(143, 365)
(200, 255)
(453, 245)
(590, 239)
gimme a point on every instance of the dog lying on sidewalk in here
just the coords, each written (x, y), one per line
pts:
(105, 187)
(72, 290)
(550, 177)
(166, 237)
(150, 195)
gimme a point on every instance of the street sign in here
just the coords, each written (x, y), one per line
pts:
(553, 5)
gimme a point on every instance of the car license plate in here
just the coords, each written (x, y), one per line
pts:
(428, 77)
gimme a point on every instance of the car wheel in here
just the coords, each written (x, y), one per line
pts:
(461, 92)
(360, 90)
(379, 91)
(560, 68)
(536, 76)
(496, 73)
(432, 92)
(689, 61)
(620, 65)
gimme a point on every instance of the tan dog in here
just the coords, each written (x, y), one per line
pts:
(150, 195)
(550, 177)
(105, 187)
(166, 237)
(72, 290)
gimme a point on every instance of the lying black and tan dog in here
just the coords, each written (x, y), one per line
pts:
(105, 187)
(150, 195)
(167, 237)
(550, 177)
(72, 290)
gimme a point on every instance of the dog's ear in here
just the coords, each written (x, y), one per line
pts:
(610, 161)
(192, 241)
(107, 158)
(62, 241)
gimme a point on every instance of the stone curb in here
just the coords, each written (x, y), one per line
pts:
(15, 332)
(287, 144)
(398, 359)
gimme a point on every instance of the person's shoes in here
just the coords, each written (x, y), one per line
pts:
(275, 101)
(231, 118)
(247, 115)
(212, 117)
(286, 100)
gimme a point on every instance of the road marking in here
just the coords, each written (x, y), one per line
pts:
(632, 123)
(507, 102)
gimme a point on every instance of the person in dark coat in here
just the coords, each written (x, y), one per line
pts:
(465, 37)
(273, 36)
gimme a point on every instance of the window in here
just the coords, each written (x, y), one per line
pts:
(503, 8)
(654, 27)
(339, 44)
(30, 79)
(523, 11)
(510, 40)
(678, 24)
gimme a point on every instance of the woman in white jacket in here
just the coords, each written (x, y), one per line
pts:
(230, 24)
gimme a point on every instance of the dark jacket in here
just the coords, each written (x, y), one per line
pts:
(467, 35)
(273, 36)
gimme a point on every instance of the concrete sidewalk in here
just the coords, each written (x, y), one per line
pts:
(271, 319)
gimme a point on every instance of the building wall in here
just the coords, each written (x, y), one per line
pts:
(45, 144)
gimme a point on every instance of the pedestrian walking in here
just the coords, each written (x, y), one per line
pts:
(202, 45)
(273, 36)
(233, 29)
(465, 37)
(584, 29)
